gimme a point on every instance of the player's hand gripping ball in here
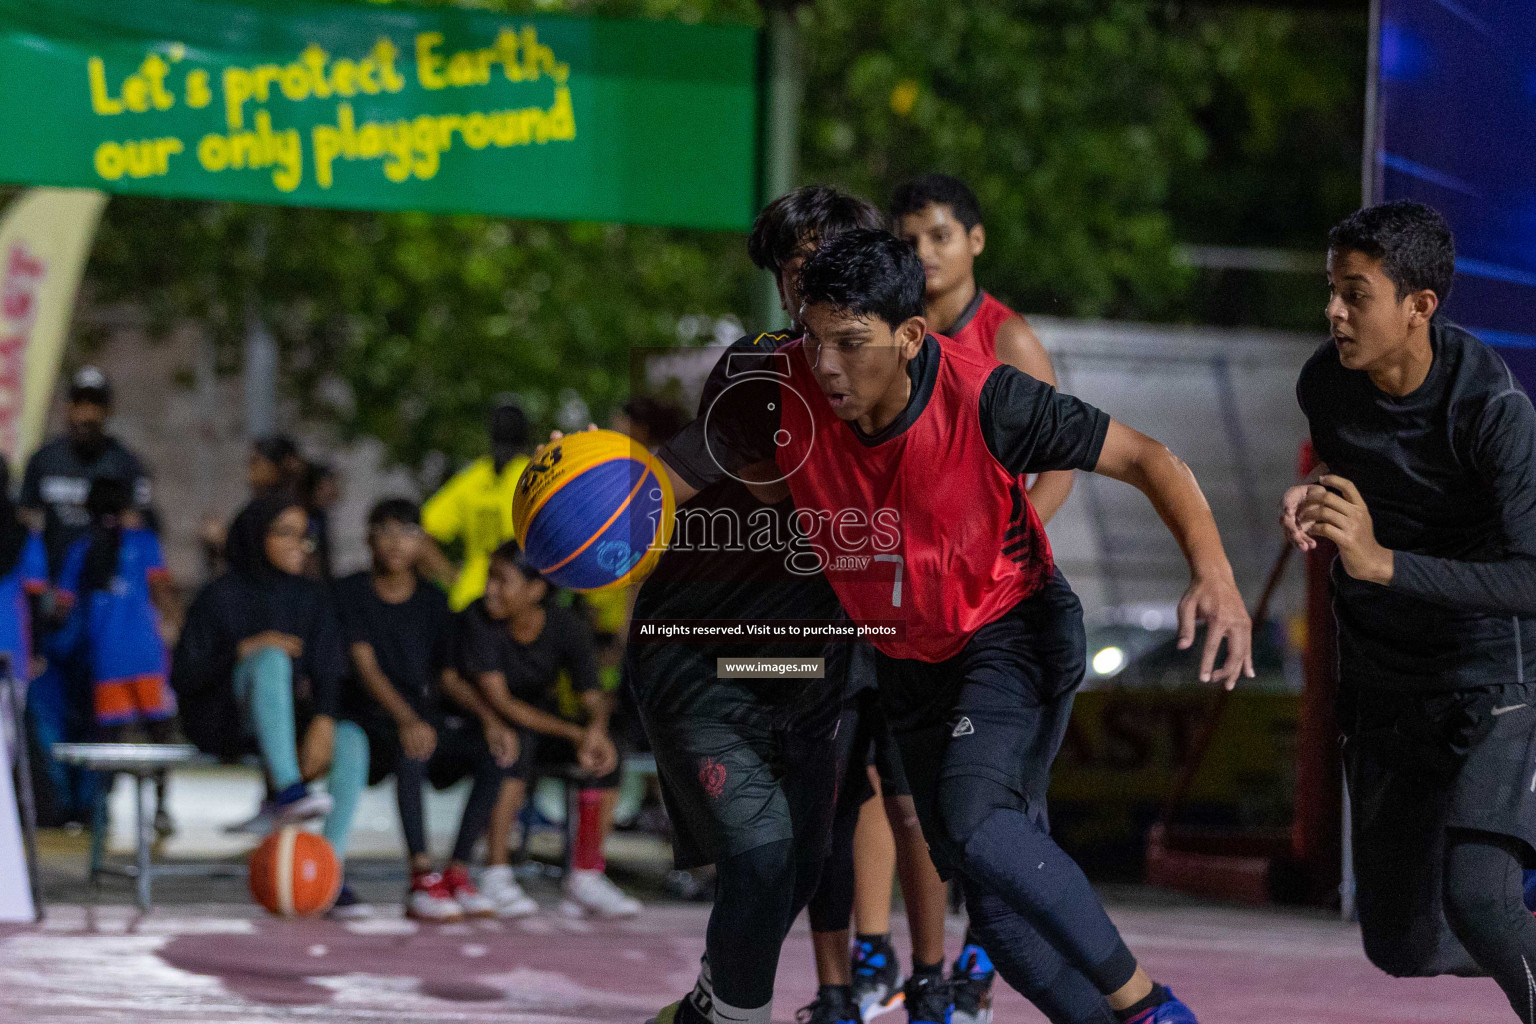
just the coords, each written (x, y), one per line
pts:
(593, 511)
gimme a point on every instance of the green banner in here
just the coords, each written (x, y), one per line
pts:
(383, 108)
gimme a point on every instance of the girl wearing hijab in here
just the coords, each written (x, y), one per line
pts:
(260, 656)
(23, 576)
(272, 466)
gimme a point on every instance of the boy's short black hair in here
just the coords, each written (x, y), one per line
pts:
(275, 448)
(508, 424)
(866, 273)
(1413, 242)
(937, 190)
(806, 217)
(512, 554)
(394, 510)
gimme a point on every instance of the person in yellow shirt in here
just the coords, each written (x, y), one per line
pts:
(474, 509)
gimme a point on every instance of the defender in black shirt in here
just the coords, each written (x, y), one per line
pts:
(748, 767)
(1429, 491)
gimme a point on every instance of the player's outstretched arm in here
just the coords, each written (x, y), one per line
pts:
(1212, 597)
(682, 490)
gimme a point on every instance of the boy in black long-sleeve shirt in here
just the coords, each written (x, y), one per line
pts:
(1429, 491)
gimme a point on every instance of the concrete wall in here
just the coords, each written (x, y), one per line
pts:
(1221, 399)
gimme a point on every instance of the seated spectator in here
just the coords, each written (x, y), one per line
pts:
(115, 582)
(260, 658)
(514, 643)
(423, 721)
(274, 465)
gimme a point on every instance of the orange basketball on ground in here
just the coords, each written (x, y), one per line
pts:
(295, 873)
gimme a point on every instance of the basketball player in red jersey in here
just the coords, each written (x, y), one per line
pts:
(871, 420)
(941, 218)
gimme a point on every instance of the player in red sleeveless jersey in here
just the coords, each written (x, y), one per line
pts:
(941, 218)
(904, 458)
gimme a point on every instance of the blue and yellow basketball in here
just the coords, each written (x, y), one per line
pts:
(593, 510)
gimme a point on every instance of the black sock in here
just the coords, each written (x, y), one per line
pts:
(839, 995)
(927, 970)
(881, 941)
(1157, 997)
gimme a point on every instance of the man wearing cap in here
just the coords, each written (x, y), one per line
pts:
(59, 475)
(53, 492)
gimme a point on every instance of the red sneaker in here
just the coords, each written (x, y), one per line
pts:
(464, 893)
(430, 899)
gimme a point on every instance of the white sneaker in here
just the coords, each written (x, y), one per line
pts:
(259, 824)
(507, 899)
(590, 892)
(312, 805)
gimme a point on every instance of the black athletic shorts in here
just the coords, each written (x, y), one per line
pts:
(460, 750)
(997, 711)
(742, 763)
(1418, 764)
(865, 739)
(539, 755)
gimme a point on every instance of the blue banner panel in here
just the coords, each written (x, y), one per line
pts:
(1455, 127)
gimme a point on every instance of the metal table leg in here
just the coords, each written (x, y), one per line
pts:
(99, 825)
(146, 825)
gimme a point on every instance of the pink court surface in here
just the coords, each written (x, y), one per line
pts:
(228, 963)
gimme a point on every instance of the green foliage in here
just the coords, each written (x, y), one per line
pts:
(406, 326)
(1097, 133)
(1069, 119)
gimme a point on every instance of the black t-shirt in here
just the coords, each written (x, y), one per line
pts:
(412, 641)
(1449, 475)
(1028, 426)
(731, 557)
(531, 670)
(58, 479)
